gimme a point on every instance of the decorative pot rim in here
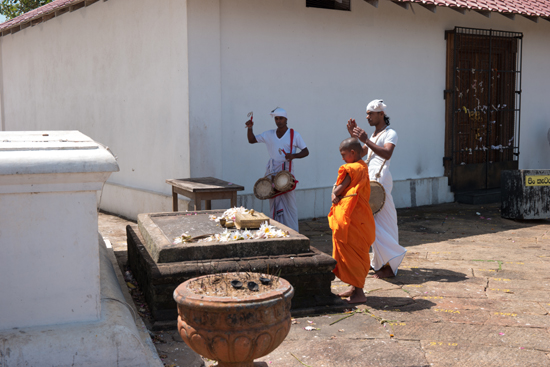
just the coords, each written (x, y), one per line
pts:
(183, 295)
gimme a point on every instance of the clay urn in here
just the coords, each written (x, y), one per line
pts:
(234, 329)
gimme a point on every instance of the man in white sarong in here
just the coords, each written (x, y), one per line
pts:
(387, 253)
(281, 146)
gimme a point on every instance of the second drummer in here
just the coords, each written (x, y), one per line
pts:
(282, 145)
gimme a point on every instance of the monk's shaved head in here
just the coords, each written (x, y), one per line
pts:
(351, 144)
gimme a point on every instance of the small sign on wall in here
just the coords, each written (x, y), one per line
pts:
(537, 180)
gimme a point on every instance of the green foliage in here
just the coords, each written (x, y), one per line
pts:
(14, 8)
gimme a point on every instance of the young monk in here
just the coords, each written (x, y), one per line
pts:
(351, 221)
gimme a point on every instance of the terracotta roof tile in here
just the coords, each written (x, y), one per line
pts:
(540, 8)
(38, 13)
(536, 8)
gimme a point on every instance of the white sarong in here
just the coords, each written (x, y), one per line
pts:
(386, 248)
(283, 207)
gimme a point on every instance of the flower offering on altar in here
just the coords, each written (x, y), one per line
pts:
(229, 214)
(264, 232)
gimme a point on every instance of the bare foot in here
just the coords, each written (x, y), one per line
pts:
(358, 296)
(384, 272)
(347, 293)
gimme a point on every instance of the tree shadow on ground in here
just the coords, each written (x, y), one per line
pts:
(444, 222)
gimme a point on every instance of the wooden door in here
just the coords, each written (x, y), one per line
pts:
(482, 103)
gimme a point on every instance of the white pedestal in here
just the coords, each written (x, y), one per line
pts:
(60, 301)
(48, 227)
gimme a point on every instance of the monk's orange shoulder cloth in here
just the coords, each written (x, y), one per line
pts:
(352, 224)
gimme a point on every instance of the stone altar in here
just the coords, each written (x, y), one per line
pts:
(160, 229)
(159, 266)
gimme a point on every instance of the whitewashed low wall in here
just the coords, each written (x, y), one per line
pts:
(315, 203)
(422, 191)
(312, 203)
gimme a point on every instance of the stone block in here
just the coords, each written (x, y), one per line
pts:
(525, 194)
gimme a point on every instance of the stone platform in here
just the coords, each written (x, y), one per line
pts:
(306, 268)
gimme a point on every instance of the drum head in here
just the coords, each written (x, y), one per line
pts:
(377, 197)
(282, 181)
(263, 188)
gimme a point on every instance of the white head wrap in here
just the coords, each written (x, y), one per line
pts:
(278, 112)
(376, 106)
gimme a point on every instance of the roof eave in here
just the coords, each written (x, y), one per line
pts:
(19, 23)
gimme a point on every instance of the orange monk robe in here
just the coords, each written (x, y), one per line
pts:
(352, 224)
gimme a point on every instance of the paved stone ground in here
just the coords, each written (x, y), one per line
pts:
(473, 290)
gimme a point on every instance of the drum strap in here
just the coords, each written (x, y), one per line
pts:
(377, 175)
(291, 141)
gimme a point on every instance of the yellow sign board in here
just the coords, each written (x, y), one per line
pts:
(537, 180)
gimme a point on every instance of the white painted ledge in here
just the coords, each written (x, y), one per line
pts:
(114, 340)
(46, 152)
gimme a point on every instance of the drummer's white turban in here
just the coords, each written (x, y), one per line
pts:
(376, 106)
(278, 112)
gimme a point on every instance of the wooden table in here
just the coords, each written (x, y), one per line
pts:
(203, 188)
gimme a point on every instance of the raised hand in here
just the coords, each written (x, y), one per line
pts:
(249, 133)
(351, 125)
(360, 134)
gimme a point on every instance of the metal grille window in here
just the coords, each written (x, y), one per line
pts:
(483, 100)
(329, 4)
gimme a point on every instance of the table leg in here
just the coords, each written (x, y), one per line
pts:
(197, 200)
(234, 200)
(174, 200)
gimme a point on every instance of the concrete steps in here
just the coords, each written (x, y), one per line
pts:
(478, 197)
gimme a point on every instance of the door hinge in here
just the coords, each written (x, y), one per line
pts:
(447, 91)
(447, 159)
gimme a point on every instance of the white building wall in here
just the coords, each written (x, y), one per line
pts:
(116, 71)
(120, 73)
(324, 66)
(535, 106)
(205, 100)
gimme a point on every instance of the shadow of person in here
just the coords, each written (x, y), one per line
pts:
(401, 304)
(422, 275)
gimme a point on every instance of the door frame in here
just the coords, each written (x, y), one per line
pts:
(483, 172)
